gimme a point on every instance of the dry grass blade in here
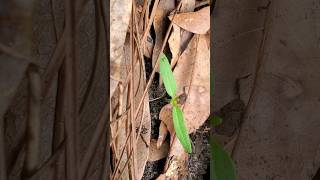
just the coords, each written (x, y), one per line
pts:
(132, 56)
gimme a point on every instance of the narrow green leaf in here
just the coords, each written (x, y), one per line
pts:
(167, 76)
(216, 120)
(221, 164)
(180, 128)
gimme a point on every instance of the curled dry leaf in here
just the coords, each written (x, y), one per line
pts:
(120, 11)
(197, 22)
(175, 42)
(179, 38)
(159, 24)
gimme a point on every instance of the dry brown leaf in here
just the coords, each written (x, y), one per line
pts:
(120, 128)
(119, 21)
(119, 133)
(187, 6)
(192, 76)
(158, 153)
(179, 38)
(159, 23)
(175, 42)
(120, 11)
(197, 22)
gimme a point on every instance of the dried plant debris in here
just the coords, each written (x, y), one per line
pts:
(160, 24)
(189, 48)
(196, 22)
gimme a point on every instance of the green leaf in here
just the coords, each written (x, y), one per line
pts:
(221, 164)
(216, 120)
(180, 128)
(167, 76)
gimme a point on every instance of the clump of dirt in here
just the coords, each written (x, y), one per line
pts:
(153, 169)
(200, 158)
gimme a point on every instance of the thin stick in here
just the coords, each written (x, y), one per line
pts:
(93, 80)
(71, 112)
(58, 134)
(133, 143)
(33, 126)
(3, 165)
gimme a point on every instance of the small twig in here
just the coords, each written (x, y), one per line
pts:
(163, 94)
(3, 166)
(71, 111)
(132, 56)
(105, 174)
(241, 34)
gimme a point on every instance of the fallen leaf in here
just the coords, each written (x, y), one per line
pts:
(175, 43)
(187, 6)
(119, 129)
(192, 74)
(179, 38)
(197, 22)
(159, 23)
(156, 153)
(120, 12)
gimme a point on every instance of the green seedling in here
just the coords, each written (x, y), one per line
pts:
(221, 164)
(177, 114)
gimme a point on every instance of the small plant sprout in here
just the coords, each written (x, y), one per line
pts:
(177, 114)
